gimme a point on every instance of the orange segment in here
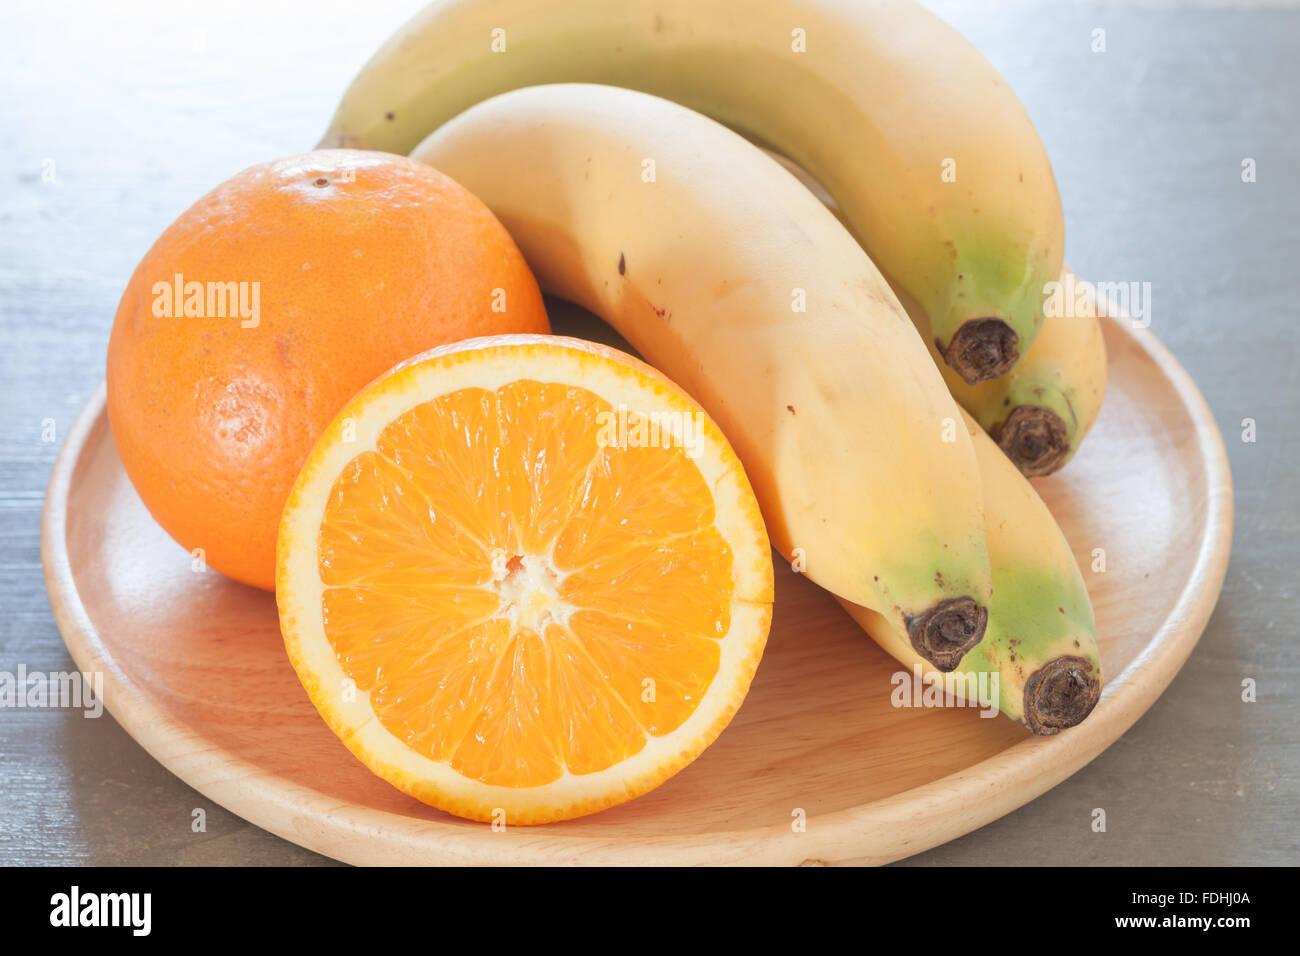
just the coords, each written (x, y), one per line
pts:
(548, 445)
(506, 594)
(513, 742)
(470, 496)
(659, 674)
(383, 528)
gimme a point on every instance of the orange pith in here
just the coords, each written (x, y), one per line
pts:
(519, 599)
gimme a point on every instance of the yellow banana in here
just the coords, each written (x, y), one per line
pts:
(735, 281)
(1041, 640)
(929, 152)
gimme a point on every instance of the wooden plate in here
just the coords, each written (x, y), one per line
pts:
(195, 671)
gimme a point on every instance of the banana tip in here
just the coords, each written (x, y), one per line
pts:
(1035, 438)
(1061, 694)
(945, 632)
(982, 349)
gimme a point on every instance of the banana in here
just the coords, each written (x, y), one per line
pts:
(1041, 640)
(736, 282)
(929, 152)
(1040, 411)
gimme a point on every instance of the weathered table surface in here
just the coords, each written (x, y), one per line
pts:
(116, 119)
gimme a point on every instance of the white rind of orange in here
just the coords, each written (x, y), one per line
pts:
(491, 363)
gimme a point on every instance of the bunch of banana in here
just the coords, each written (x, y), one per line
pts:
(932, 158)
(833, 411)
(730, 277)
(1041, 640)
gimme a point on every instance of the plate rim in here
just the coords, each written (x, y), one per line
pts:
(884, 830)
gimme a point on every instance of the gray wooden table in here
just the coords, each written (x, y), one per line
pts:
(118, 116)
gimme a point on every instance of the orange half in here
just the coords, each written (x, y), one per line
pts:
(524, 578)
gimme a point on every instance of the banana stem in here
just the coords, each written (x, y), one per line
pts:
(943, 634)
(1060, 694)
(1035, 438)
(982, 349)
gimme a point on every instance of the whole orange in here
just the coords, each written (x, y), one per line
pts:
(266, 306)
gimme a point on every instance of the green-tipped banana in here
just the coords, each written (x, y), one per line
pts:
(1041, 640)
(1040, 411)
(938, 169)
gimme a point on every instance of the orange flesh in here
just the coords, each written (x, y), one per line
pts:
(517, 600)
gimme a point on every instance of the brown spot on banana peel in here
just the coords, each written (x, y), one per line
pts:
(1035, 438)
(946, 631)
(981, 349)
(1061, 694)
